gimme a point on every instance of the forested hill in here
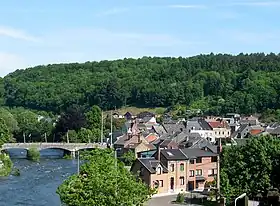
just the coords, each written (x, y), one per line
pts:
(217, 83)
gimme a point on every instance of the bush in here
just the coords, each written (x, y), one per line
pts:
(33, 154)
(180, 198)
(6, 165)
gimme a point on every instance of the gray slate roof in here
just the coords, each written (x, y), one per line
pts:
(173, 154)
(151, 164)
(202, 143)
(193, 153)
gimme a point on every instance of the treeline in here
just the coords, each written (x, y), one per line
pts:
(214, 83)
(75, 124)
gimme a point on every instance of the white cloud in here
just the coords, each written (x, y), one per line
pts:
(187, 6)
(10, 62)
(113, 11)
(17, 34)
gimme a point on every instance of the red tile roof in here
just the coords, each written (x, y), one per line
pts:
(151, 137)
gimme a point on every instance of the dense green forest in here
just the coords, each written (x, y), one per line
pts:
(214, 83)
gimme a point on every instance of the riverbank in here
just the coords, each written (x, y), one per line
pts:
(6, 165)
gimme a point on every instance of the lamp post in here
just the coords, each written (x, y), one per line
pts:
(239, 197)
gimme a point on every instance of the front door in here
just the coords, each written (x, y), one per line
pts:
(172, 183)
(191, 186)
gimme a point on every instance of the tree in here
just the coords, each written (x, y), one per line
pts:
(27, 123)
(103, 181)
(9, 119)
(250, 168)
(5, 134)
(247, 83)
(129, 157)
(72, 119)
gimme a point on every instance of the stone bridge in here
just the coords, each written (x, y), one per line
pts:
(69, 147)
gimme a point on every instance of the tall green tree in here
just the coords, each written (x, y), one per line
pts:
(5, 134)
(103, 181)
(251, 168)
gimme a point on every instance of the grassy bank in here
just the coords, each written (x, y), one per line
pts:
(137, 110)
(6, 165)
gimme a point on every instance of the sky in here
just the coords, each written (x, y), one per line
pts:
(36, 32)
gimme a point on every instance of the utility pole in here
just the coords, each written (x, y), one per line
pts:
(101, 135)
(67, 136)
(218, 168)
(46, 137)
(78, 159)
(24, 137)
(111, 143)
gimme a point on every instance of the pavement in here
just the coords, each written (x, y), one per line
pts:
(166, 200)
(162, 201)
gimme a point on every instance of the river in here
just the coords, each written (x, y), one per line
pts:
(37, 184)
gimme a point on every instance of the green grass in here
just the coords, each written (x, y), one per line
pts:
(137, 110)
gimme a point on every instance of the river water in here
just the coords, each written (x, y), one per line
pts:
(37, 183)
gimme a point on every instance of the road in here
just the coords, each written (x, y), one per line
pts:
(166, 200)
(162, 201)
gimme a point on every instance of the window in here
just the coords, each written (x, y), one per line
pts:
(198, 172)
(213, 159)
(199, 160)
(211, 172)
(182, 167)
(192, 162)
(159, 170)
(172, 167)
(182, 181)
(161, 183)
(156, 184)
(191, 173)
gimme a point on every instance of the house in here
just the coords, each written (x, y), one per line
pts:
(256, 129)
(142, 115)
(241, 132)
(220, 127)
(174, 126)
(152, 172)
(200, 126)
(202, 167)
(128, 116)
(117, 115)
(275, 132)
(166, 144)
(158, 129)
(132, 140)
(251, 121)
(175, 170)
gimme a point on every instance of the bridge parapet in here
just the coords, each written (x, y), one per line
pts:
(65, 146)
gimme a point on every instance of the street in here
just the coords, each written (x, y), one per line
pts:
(167, 200)
(162, 201)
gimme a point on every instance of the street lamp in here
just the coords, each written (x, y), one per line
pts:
(241, 196)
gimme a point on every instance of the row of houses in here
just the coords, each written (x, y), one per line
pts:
(175, 170)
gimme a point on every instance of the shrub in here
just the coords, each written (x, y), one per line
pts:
(180, 198)
(33, 154)
(6, 165)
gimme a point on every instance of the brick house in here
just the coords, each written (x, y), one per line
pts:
(180, 170)
(133, 140)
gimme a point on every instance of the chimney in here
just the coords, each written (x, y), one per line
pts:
(139, 138)
(158, 152)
